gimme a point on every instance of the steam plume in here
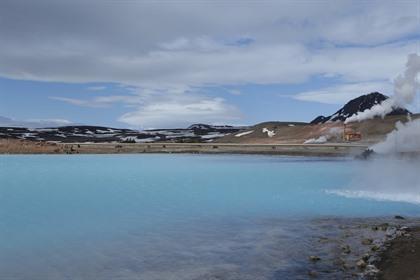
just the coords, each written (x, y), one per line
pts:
(405, 88)
(334, 132)
(405, 138)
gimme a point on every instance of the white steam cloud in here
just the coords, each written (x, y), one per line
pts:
(406, 136)
(405, 88)
(404, 139)
(333, 133)
(384, 179)
(392, 178)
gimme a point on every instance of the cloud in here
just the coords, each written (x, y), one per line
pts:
(203, 43)
(169, 108)
(100, 101)
(79, 102)
(342, 93)
(234, 91)
(395, 25)
(181, 111)
(230, 65)
(96, 88)
(33, 123)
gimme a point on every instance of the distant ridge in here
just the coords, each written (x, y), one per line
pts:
(99, 134)
(357, 105)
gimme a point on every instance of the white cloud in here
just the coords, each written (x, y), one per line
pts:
(234, 91)
(50, 122)
(181, 111)
(196, 44)
(102, 101)
(96, 88)
(342, 93)
(193, 45)
(33, 123)
(79, 102)
(173, 46)
(374, 22)
(169, 108)
(231, 65)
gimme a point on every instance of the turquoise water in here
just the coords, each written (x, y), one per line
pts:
(170, 216)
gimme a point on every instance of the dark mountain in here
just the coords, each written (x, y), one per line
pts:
(98, 134)
(357, 105)
(200, 126)
(203, 129)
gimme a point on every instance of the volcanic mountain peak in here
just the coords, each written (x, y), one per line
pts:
(358, 105)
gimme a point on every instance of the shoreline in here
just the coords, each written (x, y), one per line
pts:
(333, 149)
(400, 256)
(359, 248)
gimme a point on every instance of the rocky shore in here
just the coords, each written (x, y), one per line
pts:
(372, 249)
(400, 257)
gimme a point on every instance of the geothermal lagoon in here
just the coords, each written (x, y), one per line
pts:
(191, 216)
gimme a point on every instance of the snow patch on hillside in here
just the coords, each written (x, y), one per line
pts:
(270, 133)
(244, 133)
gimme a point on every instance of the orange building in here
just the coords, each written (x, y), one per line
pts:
(350, 135)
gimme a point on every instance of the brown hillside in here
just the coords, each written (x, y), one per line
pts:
(372, 131)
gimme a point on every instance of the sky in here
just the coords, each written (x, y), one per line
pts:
(165, 64)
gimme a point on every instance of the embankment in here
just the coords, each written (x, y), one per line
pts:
(208, 148)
